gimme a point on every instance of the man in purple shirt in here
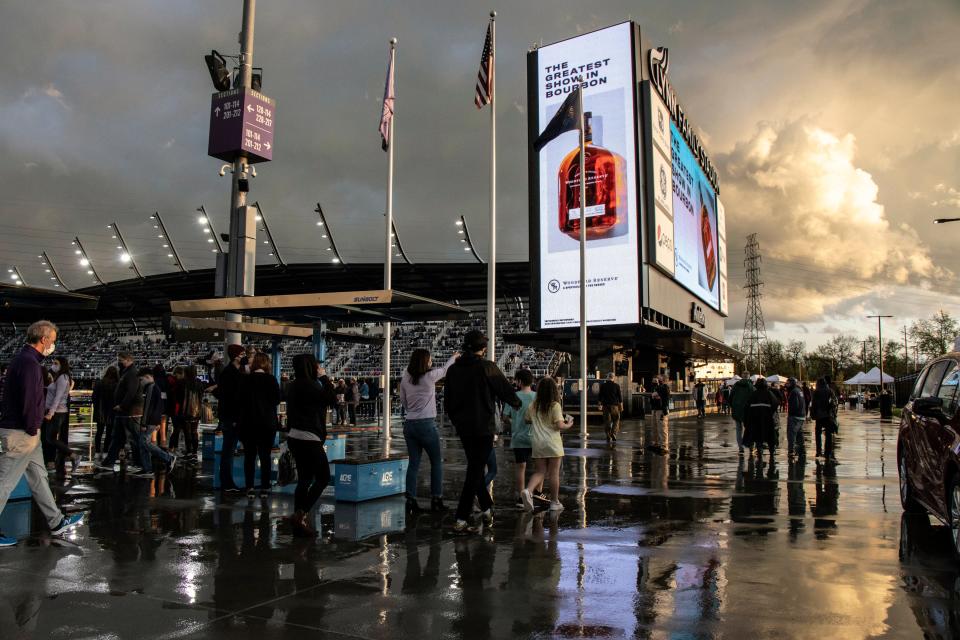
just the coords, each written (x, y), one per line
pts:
(20, 417)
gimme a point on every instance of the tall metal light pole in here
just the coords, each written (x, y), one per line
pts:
(880, 343)
(208, 224)
(241, 253)
(52, 270)
(328, 235)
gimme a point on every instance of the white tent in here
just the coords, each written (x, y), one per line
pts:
(777, 378)
(755, 377)
(732, 381)
(856, 379)
(873, 377)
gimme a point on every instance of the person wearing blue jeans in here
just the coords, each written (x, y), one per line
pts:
(796, 417)
(128, 413)
(418, 395)
(421, 435)
(152, 416)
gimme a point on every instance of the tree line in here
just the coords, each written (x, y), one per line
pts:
(844, 355)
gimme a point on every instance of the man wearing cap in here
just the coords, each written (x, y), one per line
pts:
(473, 385)
(228, 401)
(796, 416)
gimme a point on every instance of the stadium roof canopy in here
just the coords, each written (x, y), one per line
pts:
(462, 284)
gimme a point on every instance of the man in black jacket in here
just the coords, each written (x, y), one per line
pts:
(473, 385)
(128, 414)
(796, 417)
(661, 408)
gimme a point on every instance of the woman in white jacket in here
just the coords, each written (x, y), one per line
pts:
(56, 427)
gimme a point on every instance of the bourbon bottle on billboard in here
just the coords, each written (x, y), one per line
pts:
(706, 238)
(606, 199)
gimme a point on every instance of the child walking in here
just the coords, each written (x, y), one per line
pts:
(546, 418)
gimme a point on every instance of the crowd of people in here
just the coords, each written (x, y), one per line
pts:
(132, 406)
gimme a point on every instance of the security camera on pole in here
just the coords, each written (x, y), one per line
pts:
(241, 133)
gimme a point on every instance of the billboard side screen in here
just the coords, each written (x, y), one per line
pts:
(603, 61)
(533, 193)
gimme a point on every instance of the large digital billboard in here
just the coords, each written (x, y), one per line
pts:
(687, 229)
(602, 63)
(695, 234)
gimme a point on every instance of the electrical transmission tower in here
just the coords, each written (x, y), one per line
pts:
(754, 331)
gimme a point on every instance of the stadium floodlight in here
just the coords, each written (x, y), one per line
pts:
(167, 241)
(125, 256)
(208, 228)
(338, 259)
(85, 261)
(462, 229)
(49, 268)
(262, 219)
(398, 245)
(219, 74)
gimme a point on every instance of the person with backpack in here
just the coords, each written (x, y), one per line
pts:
(190, 401)
(824, 412)
(153, 406)
(739, 401)
(308, 397)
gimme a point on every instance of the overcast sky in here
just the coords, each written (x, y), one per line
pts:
(833, 125)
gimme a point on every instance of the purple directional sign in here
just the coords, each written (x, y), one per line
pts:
(241, 121)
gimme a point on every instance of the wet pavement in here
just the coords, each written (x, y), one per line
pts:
(701, 544)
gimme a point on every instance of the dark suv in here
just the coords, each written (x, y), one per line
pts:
(928, 446)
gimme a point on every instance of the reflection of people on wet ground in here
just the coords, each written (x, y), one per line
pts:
(308, 397)
(761, 419)
(546, 416)
(533, 574)
(246, 575)
(824, 411)
(473, 385)
(739, 401)
(520, 440)
(827, 499)
(796, 500)
(475, 559)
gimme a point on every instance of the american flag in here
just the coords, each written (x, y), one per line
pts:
(485, 76)
(386, 116)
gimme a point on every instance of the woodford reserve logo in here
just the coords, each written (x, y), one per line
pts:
(658, 62)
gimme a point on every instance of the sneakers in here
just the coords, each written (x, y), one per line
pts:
(232, 491)
(519, 503)
(541, 498)
(486, 517)
(556, 506)
(133, 469)
(527, 500)
(67, 523)
(462, 526)
(7, 542)
(143, 474)
(104, 467)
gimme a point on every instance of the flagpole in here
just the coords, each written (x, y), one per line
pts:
(388, 264)
(583, 275)
(492, 263)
